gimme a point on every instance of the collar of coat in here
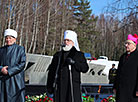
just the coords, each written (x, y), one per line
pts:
(131, 52)
(71, 52)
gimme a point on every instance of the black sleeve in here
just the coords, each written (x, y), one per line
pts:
(51, 74)
(81, 63)
(118, 74)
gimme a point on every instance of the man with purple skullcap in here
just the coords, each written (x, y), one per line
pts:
(63, 81)
(132, 38)
(12, 63)
(126, 83)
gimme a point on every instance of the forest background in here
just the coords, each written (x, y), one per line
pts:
(41, 24)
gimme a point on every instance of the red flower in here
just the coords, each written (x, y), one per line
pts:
(51, 99)
(46, 97)
(85, 96)
(104, 100)
(110, 96)
(40, 100)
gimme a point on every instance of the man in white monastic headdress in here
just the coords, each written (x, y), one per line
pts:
(12, 63)
(65, 85)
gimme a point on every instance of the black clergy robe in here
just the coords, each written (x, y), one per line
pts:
(126, 83)
(63, 91)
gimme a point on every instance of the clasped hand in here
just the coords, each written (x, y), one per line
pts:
(4, 70)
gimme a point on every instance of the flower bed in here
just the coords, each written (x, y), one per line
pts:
(41, 98)
(45, 98)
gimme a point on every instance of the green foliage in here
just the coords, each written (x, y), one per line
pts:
(85, 44)
(87, 99)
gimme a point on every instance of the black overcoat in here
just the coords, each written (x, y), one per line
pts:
(127, 78)
(12, 87)
(63, 91)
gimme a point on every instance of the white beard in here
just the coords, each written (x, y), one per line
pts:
(67, 47)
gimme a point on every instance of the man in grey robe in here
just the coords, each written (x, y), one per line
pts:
(12, 63)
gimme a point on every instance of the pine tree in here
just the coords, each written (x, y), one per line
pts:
(85, 24)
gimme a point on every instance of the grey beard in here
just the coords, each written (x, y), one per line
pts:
(67, 47)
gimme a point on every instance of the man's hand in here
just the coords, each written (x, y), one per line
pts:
(114, 91)
(136, 93)
(70, 61)
(4, 70)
